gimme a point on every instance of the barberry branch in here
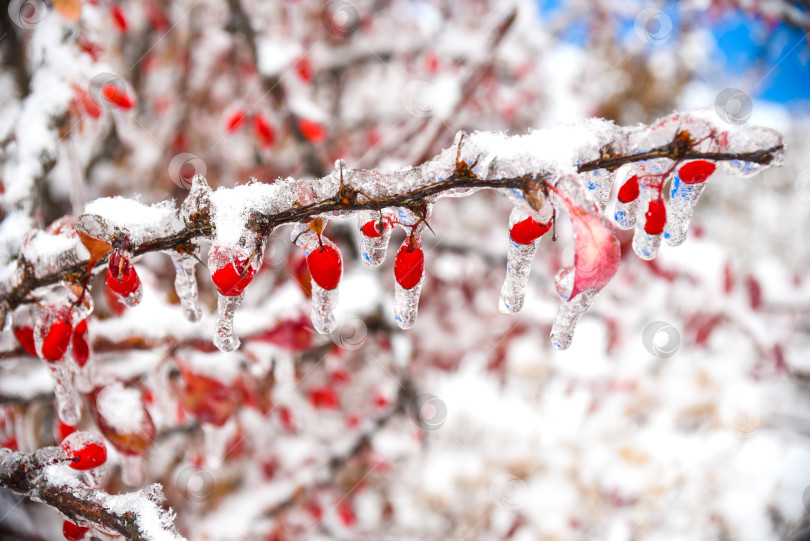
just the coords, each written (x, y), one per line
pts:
(137, 516)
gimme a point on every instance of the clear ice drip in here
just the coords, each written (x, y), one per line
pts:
(568, 315)
(645, 245)
(68, 401)
(373, 249)
(625, 214)
(323, 307)
(185, 284)
(224, 337)
(600, 184)
(682, 200)
(134, 298)
(406, 304)
(519, 261)
(518, 265)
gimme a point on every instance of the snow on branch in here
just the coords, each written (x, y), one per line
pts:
(42, 477)
(572, 168)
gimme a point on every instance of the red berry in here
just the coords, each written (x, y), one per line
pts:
(325, 266)
(232, 279)
(324, 397)
(116, 96)
(304, 69)
(286, 418)
(409, 264)
(119, 18)
(81, 349)
(314, 132)
(62, 430)
(656, 217)
(696, 172)
(86, 450)
(121, 276)
(528, 230)
(629, 190)
(372, 230)
(263, 131)
(346, 514)
(157, 18)
(57, 340)
(25, 336)
(72, 532)
(235, 121)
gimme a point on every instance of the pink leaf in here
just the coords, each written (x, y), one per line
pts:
(597, 252)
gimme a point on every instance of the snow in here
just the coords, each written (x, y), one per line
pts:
(121, 408)
(141, 222)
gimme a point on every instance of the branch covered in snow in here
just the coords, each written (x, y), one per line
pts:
(40, 476)
(570, 168)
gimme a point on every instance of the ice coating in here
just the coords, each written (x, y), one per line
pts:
(568, 315)
(68, 401)
(519, 260)
(646, 245)
(373, 248)
(406, 300)
(48, 252)
(625, 214)
(141, 222)
(185, 284)
(683, 198)
(600, 183)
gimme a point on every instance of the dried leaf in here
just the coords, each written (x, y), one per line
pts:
(69, 9)
(97, 247)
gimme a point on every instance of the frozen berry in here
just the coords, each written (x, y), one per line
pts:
(62, 430)
(528, 230)
(232, 279)
(656, 217)
(314, 132)
(324, 398)
(325, 266)
(117, 96)
(72, 532)
(629, 190)
(25, 336)
(372, 229)
(80, 346)
(235, 121)
(57, 340)
(409, 265)
(696, 172)
(121, 275)
(86, 450)
(263, 131)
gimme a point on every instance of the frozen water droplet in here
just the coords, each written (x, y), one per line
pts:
(562, 330)
(682, 200)
(132, 469)
(406, 304)
(323, 307)
(742, 169)
(134, 298)
(224, 337)
(185, 283)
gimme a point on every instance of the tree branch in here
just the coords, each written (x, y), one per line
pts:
(137, 516)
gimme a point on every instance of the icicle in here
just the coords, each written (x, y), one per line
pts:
(687, 185)
(96, 477)
(373, 241)
(409, 274)
(185, 284)
(625, 214)
(68, 402)
(562, 331)
(324, 302)
(571, 310)
(523, 242)
(224, 337)
(647, 241)
(325, 268)
(132, 469)
(600, 183)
